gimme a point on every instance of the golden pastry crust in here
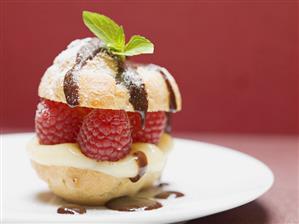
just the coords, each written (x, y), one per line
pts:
(98, 87)
(89, 187)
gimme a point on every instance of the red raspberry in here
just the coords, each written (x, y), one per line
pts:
(154, 126)
(57, 122)
(105, 135)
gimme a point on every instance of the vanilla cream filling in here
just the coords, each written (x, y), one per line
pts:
(70, 155)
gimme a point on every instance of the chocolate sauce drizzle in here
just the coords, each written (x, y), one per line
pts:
(172, 102)
(130, 78)
(168, 127)
(172, 98)
(141, 161)
(70, 84)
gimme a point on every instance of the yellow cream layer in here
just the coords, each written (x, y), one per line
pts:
(69, 154)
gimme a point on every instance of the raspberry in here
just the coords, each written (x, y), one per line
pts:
(58, 123)
(154, 126)
(105, 135)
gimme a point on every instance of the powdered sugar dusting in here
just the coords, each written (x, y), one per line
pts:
(70, 82)
(52, 81)
(69, 54)
(131, 76)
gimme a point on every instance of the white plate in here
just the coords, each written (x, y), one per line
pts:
(212, 177)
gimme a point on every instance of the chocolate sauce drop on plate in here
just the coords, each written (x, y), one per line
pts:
(132, 204)
(143, 200)
(159, 192)
(141, 161)
(70, 84)
(71, 209)
(163, 184)
(169, 194)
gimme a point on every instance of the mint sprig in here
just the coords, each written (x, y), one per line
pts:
(113, 36)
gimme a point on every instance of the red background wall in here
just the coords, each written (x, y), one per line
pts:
(236, 61)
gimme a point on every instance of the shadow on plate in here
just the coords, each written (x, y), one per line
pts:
(253, 212)
(47, 197)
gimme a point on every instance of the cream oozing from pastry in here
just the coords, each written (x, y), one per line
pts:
(70, 155)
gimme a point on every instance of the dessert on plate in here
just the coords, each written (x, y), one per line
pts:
(103, 122)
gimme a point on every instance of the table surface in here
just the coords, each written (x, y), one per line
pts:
(280, 205)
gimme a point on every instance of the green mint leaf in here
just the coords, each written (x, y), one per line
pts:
(137, 45)
(113, 36)
(105, 29)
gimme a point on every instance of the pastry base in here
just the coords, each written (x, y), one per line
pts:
(88, 187)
